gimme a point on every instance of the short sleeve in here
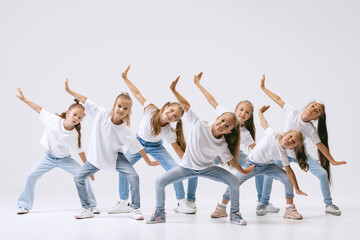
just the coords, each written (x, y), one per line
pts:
(46, 117)
(245, 137)
(220, 110)
(288, 110)
(92, 108)
(313, 135)
(226, 155)
(269, 131)
(192, 116)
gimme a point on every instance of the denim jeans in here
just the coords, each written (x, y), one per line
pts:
(271, 170)
(158, 152)
(180, 173)
(259, 179)
(314, 167)
(123, 167)
(44, 165)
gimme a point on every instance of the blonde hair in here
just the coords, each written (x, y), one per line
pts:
(127, 97)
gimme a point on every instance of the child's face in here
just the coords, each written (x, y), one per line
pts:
(290, 140)
(171, 113)
(75, 115)
(121, 108)
(314, 110)
(224, 124)
(244, 111)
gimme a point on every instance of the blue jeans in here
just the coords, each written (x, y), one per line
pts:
(259, 179)
(180, 173)
(44, 165)
(271, 170)
(122, 166)
(158, 152)
(314, 167)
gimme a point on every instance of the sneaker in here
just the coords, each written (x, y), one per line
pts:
(269, 208)
(22, 210)
(236, 218)
(182, 207)
(191, 204)
(261, 209)
(136, 214)
(157, 217)
(122, 206)
(333, 209)
(219, 212)
(84, 213)
(272, 209)
(292, 213)
(95, 210)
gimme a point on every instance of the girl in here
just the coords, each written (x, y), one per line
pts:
(270, 147)
(206, 141)
(154, 128)
(302, 122)
(244, 111)
(108, 134)
(62, 133)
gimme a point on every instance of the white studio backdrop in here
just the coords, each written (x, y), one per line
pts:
(307, 49)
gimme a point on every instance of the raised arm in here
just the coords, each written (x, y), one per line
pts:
(263, 121)
(132, 87)
(183, 102)
(272, 95)
(76, 95)
(34, 106)
(207, 95)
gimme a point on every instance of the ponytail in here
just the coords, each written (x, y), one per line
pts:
(180, 140)
(77, 126)
(322, 132)
(233, 138)
(155, 119)
(300, 154)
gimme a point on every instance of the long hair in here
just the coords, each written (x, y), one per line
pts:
(77, 126)
(127, 97)
(323, 134)
(233, 138)
(249, 124)
(155, 122)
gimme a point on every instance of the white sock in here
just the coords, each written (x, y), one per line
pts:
(223, 205)
(288, 206)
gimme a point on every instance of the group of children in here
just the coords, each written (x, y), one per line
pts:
(208, 145)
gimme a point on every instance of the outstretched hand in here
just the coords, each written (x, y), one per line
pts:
(338, 163)
(249, 169)
(153, 163)
(20, 95)
(197, 78)
(299, 192)
(264, 108)
(174, 83)
(67, 88)
(124, 74)
(262, 84)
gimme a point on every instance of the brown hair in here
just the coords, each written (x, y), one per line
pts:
(126, 96)
(156, 126)
(249, 124)
(233, 138)
(299, 150)
(77, 126)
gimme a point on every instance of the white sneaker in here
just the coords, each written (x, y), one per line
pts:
(136, 214)
(191, 204)
(333, 209)
(84, 213)
(183, 207)
(123, 206)
(96, 210)
(268, 209)
(22, 210)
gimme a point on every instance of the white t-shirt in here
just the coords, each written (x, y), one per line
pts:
(268, 149)
(107, 138)
(56, 139)
(144, 132)
(202, 147)
(245, 136)
(293, 121)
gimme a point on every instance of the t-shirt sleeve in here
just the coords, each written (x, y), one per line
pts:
(220, 110)
(226, 155)
(269, 131)
(288, 110)
(192, 116)
(131, 142)
(170, 136)
(245, 137)
(313, 135)
(46, 118)
(92, 108)
(284, 160)
(75, 146)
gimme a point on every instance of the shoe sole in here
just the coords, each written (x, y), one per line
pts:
(292, 218)
(76, 217)
(22, 213)
(241, 224)
(162, 221)
(140, 218)
(332, 213)
(273, 211)
(261, 214)
(221, 216)
(119, 211)
(192, 212)
(96, 212)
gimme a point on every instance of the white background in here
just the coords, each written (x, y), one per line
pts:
(307, 49)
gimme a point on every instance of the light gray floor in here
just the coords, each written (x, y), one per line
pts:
(49, 222)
